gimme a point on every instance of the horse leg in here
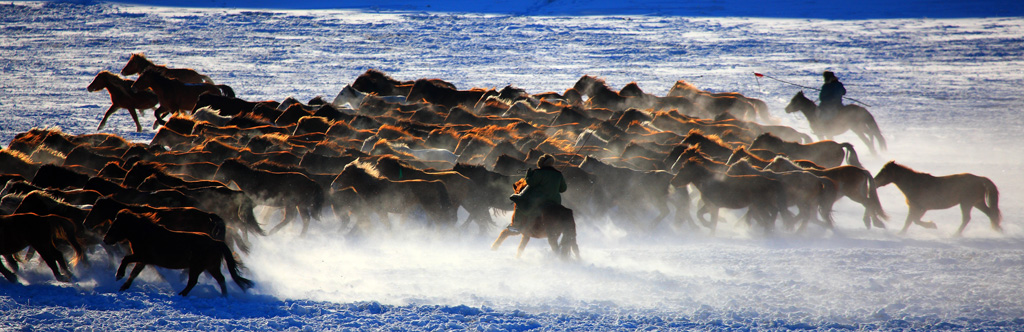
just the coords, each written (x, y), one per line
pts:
(913, 216)
(55, 260)
(106, 115)
(135, 117)
(663, 212)
(289, 214)
(8, 274)
(992, 214)
(501, 238)
(215, 273)
(965, 213)
(158, 113)
(12, 261)
(522, 245)
(135, 273)
(124, 265)
(306, 215)
(193, 279)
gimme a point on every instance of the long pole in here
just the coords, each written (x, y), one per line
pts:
(756, 75)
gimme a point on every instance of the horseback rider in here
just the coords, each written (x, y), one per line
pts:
(544, 186)
(831, 97)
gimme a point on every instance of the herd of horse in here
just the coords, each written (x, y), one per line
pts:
(420, 151)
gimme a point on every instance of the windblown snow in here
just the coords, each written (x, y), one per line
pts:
(947, 94)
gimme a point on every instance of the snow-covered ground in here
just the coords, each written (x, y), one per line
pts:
(948, 94)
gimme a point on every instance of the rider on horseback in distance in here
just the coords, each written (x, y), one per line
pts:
(831, 97)
(544, 186)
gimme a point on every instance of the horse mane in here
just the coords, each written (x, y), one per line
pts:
(392, 132)
(714, 138)
(362, 171)
(45, 153)
(16, 155)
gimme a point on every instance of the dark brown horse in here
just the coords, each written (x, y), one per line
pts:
(138, 64)
(849, 118)
(715, 104)
(122, 95)
(555, 223)
(383, 195)
(174, 95)
(808, 192)
(824, 153)
(853, 182)
(290, 191)
(765, 198)
(927, 192)
(153, 244)
(21, 230)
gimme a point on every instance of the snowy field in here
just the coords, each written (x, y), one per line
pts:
(947, 92)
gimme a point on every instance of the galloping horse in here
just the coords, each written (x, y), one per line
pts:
(849, 118)
(825, 153)
(21, 230)
(174, 95)
(765, 197)
(853, 182)
(153, 244)
(122, 95)
(555, 222)
(927, 192)
(138, 64)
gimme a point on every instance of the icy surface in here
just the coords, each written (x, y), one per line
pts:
(948, 94)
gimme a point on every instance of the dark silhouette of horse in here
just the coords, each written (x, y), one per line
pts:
(153, 244)
(41, 233)
(138, 64)
(603, 96)
(647, 189)
(16, 162)
(853, 182)
(383, 195)
(174, 95)
(808, 192)
(460, 188)
(928, 192)
(290, 191)
(377, 82)
(555, 223)
(765, 198)
(445, 95)
(824, 153)
(185, 219)
(718, 103)
(59, 177)
(848, 118)
(122, 95)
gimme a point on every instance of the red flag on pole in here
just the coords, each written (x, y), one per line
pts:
(758, 75)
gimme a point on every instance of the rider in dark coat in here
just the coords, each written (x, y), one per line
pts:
(544, 186)
(831, 96)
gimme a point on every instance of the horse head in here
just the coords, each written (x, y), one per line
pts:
(136, 64)
(100, 81)
(889, 173)
(800, 103)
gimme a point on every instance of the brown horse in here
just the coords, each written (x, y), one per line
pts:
(555, 223)
(808, 192)
(825, 153)
(849, 118)
(138, 64)
(174, 95)
(603, 96)
(21, 230)
(122, 95)
(853, 182)
(153, 244)
(717, 103)
(765, 198)
(290, 191)
(927, 192)
(383, 195)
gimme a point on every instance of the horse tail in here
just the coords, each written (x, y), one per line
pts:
(828, 197)
(234, 266)
(318, 202)
(992, 200)
(226, 90)
(873, 201)
(568, 242)
(65, 229)
(851, 155)
(249, 221)
(875, 131)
